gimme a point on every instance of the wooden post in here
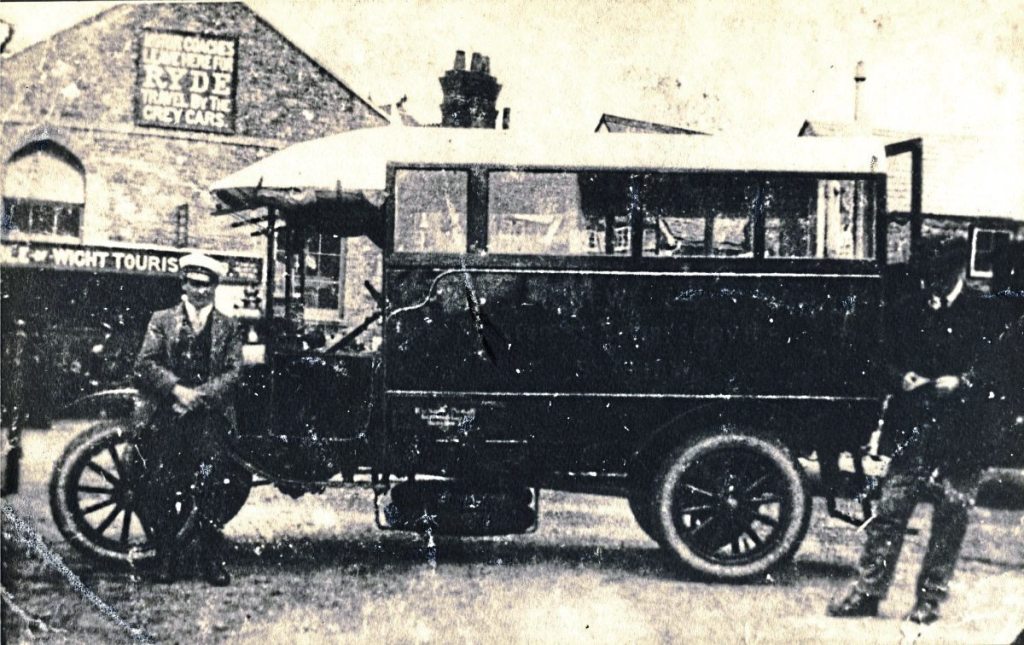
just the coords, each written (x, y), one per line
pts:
(12, 459)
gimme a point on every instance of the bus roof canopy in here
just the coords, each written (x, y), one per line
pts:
(351, 167)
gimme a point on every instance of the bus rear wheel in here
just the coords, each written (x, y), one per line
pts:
(730, 505)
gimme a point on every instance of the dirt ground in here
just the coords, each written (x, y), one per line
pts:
(316, 570)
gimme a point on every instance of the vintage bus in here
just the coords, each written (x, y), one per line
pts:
(674, 320)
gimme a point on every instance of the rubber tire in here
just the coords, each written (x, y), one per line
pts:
(113, 432)
(683, 456)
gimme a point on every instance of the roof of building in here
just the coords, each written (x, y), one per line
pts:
(318, 63)
(398, 114)
(267, 21)
(613, 123)
(963, 175)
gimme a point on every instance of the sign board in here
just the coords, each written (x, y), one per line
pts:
(186, 81)
(103, 259)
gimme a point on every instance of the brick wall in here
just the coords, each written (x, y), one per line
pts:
(78, 89)
(88, 73)
(134, 183)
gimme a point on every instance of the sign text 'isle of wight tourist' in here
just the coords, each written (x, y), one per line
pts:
(186, 81)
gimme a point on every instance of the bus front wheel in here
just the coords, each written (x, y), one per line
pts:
(730, 505)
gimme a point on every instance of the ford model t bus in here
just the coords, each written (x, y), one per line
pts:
(674, 320)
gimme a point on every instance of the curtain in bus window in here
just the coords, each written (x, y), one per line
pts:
(430, 212)
(790, 209)
(554, 213)
(844, 219)
(673, 221)
(731, 203)
(810, 218)
(698, 214)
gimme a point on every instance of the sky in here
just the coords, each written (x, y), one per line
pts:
(723, 66)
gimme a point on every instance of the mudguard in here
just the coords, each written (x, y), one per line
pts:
(105, 404)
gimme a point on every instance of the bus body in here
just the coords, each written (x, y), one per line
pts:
(670, 319)
(551, 319)
(674, 320)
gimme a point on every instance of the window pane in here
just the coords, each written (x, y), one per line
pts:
(330, 244)
(16, 215)
(790, 206)
(431, 211)
(551, 213)
(845, 219)
(68, 220)
(987, 246)
(327, 297)
(732, 236)
(697, 214)
(673, 224)
(325, 266)
(807, 218)
(729, 202)
(309, 298)
(41, 219)
(329, 264)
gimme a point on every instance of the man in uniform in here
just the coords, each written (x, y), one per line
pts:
(940, 450)
(186, 371)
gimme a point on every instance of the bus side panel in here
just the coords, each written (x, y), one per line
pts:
(528, 338)
(529, 438)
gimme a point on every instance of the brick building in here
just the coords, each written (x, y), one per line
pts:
(110, 134)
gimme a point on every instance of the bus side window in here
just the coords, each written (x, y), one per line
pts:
(819, 218)
(698, 214)
(790, 208)
(557, 213)
(430, 211)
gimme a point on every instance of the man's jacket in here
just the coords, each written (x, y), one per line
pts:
(154, 368)
(948, 340)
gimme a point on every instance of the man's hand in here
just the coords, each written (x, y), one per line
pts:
(913, 380)
(946, 384)
(186, 399)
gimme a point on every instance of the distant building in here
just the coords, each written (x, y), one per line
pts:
(612, 123)
(971, 188)
(110, 134)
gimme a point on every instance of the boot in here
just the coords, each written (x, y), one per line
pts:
(215, 573)
(167, 568)
(854, 604)
(211, 556)
(925, 612)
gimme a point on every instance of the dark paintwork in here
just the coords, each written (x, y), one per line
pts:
(525, 366)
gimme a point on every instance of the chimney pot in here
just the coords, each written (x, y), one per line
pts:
(858, 80)
(506, 115)
(486, 64)
(460, 60)
(477, 65)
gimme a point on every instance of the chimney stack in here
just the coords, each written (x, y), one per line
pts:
(470, 95)
(858, 81)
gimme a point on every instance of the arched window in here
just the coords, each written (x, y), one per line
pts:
(43, 192)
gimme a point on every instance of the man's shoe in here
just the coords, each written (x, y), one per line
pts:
(166, 570)
(855, 604)
(925, 612)
(216, 574)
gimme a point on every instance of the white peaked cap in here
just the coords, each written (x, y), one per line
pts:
(199, 262)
